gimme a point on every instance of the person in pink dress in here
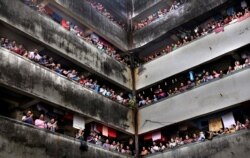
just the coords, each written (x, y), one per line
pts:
(40, 123)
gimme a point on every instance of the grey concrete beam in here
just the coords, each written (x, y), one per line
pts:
(211, 97)
(225, 146)
(150, 8)
(88, 120)
(18, 140)
(118, 8)
(203, 50)
(141, 5)
(11, 102)
(66, 44)
(185, 13)
(29, 103)
(121, 5)
(39, 82)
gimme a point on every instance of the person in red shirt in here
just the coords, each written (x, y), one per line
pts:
(65, 24)
(18, 49)
(82, 80)
(15, 49)
(161, 94)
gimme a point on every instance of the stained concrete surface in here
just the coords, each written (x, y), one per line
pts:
(18, 140)
(227, 146)
(32, 79)
(63, 42)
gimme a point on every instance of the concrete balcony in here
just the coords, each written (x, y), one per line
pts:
(87, 15)
(203, 50)
(46, 31)
(141, 6)
(18, 140)
(229, 146)
(31, 79)
(211, 97)
(187, 12)
(118, 8)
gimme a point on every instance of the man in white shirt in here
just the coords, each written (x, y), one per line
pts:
(155, 148)
(37, 57)
(103, 90)
(119, 98)
(31, 54)
(34, 55)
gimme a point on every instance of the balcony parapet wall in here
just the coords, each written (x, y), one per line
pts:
(185, 13)
(203, 50)
(140, 6)
(30, 78)
(18, 140)
(230, 146)
(51, 34)
(83, 11)
(211, 97)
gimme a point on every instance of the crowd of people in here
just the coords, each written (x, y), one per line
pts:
(128, 148)
(93, 39)
(40, 122)
(198, 79)
(157, 15)
(105, 143)
(100, 8)
(177, 141)
(212, 25)
(71, 74)
(94, 137)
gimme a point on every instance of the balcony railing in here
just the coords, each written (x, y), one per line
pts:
(64, 43)
(38, 81)
(203, 50)
(216, 95)
(225, 145)
(44, 140)
(189, 11)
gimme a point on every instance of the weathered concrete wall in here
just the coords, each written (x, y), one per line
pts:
(118, 7)
(141, 5)
(22, 75)
(18, 140)
(83, 11)
(204, 49)
(148, 8)
(214, 96)
(65, 43)
(230, 146)
(187, 12)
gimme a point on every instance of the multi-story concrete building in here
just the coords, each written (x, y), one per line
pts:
(137, 72)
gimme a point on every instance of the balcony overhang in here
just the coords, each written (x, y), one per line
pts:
(46, 31)
(211, 97)
(28, 141)
(187, 12)
(24, 76)
(225, 146)
(87, 15)
(204, 49)
(142, 9)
